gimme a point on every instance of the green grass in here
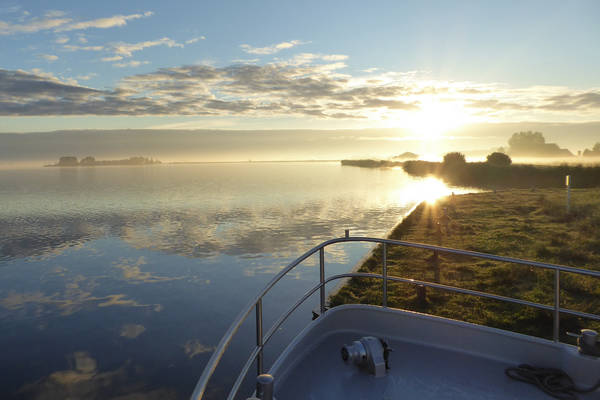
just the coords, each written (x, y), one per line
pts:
(517, 223)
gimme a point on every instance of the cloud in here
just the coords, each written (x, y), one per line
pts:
(127, 49)
(87, 77)
(494, 104)
(194, 40)
(567, 102)
(32, 26)
(74, 47)
(390, 104)
(113, 58)
(121, 50)
(246, 61)
(538, 99)
(49, 57)
(57, 21)
(306, 84)
(334, 57)
(308, 58)
(54, 14)
(61, 40)
(103, 23)
(130, 64)
(272, 49)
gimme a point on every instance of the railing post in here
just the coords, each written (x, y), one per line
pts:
(556, 305)
(259, 339)
(322, 277)
(384, 262)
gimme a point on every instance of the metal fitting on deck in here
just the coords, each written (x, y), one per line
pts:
(368, 353)
(265, 386)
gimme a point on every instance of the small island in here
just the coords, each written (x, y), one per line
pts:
(89, 161)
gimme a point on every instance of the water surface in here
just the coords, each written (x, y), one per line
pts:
(119, 281)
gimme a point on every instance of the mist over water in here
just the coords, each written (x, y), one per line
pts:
(121, 280)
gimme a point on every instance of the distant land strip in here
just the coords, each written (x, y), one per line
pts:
(89, 161)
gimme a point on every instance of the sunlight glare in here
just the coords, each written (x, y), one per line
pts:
(436, 118)
(428, 189)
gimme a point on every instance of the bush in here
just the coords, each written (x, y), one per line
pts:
(499, 159)
(454, 159)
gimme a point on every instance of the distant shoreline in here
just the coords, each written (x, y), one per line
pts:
(250, 162)
(195, 162)
(89, 161)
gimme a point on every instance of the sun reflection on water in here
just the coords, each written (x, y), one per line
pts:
(428, 189)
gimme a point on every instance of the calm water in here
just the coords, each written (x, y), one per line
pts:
(120, 281)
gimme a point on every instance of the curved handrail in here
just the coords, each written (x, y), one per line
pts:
(241, 317)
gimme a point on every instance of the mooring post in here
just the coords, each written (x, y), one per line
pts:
(568, 184)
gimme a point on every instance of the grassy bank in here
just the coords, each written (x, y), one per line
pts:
(517, 223)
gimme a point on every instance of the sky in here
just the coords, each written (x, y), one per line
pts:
(424, 66)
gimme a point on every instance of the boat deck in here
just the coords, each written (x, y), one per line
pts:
(433, 358)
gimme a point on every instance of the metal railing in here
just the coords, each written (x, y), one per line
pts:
(256, 303)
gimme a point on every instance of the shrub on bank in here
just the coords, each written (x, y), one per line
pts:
(499, 159)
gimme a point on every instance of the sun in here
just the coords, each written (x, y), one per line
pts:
(436, 118)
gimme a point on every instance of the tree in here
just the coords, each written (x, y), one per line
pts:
(594, 152)
(534, 144)
(499, 159)
(68, 161)
(454, 159)
(89, 160)
(526, 140)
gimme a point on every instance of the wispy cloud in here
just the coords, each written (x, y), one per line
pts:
(246, 60)
(86, 77)
(112, 58)
(32, 26)
(272, 49)
(584, 100)
(61, 40)
(49, 57)
(74, 47)
(194, 40)
(308, 58)
(131, 64)
(59, 22)
(54, 14)
(103, 23)
(127, 49)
